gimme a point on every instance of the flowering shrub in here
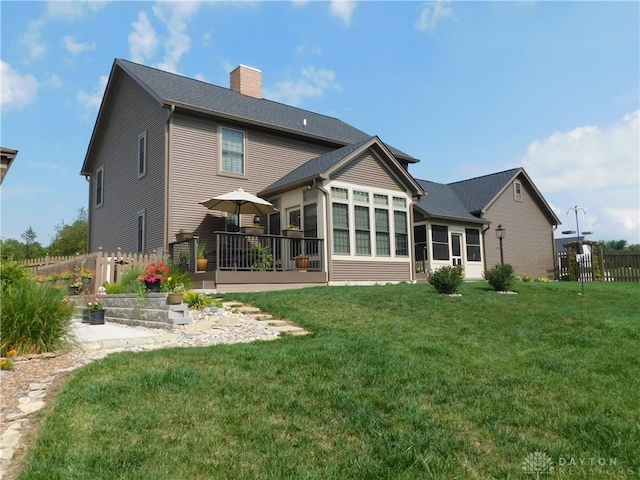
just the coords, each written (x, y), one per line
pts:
(526, 278)
(155, 272)
(172, 285)
(39, 278)
(7, 363)
(52, 277)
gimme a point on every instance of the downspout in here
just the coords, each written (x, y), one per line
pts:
(556, 271)
(412, 245)
(485, 229)
(167, 176)
(328, 237)
(88, 179)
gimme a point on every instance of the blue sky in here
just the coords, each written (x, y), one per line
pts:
(469, 88)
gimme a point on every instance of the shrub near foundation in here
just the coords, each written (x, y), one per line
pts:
(446, 279)
(500, 277)
(35, 318)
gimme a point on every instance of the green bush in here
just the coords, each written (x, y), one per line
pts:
(197, 300)
(10, 273)
(178, 276)
(35, 318)
(446, 279)
(500, 277)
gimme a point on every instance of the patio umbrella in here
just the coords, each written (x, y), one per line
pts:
(239, 202)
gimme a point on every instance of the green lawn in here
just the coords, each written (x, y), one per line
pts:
(395, 382)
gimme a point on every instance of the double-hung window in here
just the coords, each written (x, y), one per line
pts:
(362, 222)
(340, 216)
(383, 243)
(142, 154)
(99, 186)
(517, 191)
(141, 231)
(400, 226)
(232, 160)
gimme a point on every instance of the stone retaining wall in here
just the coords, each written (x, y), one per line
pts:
(153, 312)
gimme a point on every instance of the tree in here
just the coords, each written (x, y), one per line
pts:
(71, 239)
(29, 237)
(614, 244)
(11, 249)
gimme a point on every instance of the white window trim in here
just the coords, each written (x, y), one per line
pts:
(372, 206)
(141, 213)
(244, 153)
(517, 185)
(99, 170)
(142, 136)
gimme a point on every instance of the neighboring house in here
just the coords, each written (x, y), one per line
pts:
(163, 142)
(512, 200)
(7, 156)
(446, 233)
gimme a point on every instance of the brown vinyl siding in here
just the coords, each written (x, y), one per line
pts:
(194, 170)
(356, 271)
(115, 223)
(367, 170)
(528, 244)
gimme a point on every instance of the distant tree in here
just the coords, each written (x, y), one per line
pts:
(634, 247)
(614, 244)
(71, 239)
(11, 249)
(29, 237)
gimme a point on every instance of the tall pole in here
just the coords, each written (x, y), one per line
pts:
(580, 264)
(501, 253)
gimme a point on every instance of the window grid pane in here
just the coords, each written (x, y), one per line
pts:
(340, 193)
(380, 199)
(383, 244)
(232, 151)
(363, 235)
(141, 155)
(399, 202)
(402, 238)
(359, 196)
(440, 240)
(340, 227)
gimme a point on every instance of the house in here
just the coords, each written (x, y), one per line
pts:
(162, 143)
(446, 233)
(511, 200)
(7, 156)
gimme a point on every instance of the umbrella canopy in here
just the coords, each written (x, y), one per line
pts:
(239, 202)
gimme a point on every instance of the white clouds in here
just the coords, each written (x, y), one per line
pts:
(92, 101)
(32, 39)
(313, 83)
(76, 48)
(343, 9)
(143, 39)
(17, 90)
(73, 10)
(598, 168)
(175, 16)
(432, 13)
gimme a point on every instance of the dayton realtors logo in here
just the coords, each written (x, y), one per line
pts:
(537, 463)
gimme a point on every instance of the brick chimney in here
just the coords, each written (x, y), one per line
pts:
(247, 81)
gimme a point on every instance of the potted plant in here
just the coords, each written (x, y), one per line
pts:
(96, 311)
(293, 231)
(85, 275)
(66, 276)
(202, 261)
(74, 287)
(183, 261)
(302, 261)
(153, 275)
(175, 291)
(253, 229)
(52, 277)
(183, 236)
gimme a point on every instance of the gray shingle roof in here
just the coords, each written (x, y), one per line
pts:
(476, 193)
(316, 166)
(172, 87)
(442, 201)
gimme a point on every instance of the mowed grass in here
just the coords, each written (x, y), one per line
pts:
(395, 382)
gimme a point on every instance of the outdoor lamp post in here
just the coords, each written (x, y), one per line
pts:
(500, 234)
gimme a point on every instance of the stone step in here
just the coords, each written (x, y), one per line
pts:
(261, 317)
(275, 322)
(291, 330)
(230, 305)
(248, 310)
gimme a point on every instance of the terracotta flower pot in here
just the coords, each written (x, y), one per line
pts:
(201, 263)
(175, 298)
(302, 261)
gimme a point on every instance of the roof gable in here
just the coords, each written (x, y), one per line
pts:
(478, 194)
(442, 202)
(322, 167)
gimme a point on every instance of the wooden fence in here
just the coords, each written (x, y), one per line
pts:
(107, 267)
(617, 266)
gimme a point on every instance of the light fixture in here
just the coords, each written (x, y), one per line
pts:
(500, 234)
